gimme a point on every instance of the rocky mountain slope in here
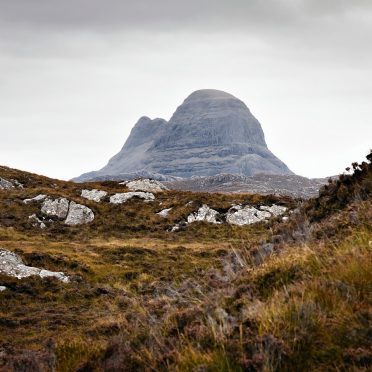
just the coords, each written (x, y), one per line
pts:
(264, 184)
(212, 132)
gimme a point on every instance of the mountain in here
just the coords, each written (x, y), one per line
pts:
(212, 132)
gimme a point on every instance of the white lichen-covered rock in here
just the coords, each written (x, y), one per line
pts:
(242, 216)
(12, 265)
(145, 185)
(204, 213)
(275, 210)
(78, 214)
(125, 196)
(55, 207)
(95, 195)
(164, 213)
(37, 198)
(36, 221)
(5, 184)
(237, 215)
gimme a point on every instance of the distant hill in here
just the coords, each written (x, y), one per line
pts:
(290, 185)
(212, 132)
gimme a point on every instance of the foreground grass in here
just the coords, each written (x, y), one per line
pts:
(143, 299)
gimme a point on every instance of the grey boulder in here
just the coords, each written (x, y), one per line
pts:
(145, 185)
(204, 213)
(12, 265)
(125, 196)
(55, 207)
(95, 195)
(78, 215)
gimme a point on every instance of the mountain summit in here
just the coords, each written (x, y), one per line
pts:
(212, 132)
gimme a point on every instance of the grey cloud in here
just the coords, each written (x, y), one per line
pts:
(167, 14)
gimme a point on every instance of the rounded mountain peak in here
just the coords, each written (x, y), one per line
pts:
(209, 94)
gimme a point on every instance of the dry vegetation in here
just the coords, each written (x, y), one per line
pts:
(143, 298)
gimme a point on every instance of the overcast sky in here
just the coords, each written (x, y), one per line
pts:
(76, 75)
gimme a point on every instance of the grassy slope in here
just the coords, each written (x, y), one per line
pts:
(146, 299)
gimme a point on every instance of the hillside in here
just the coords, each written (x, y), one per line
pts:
(245, 281)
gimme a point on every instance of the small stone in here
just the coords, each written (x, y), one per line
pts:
(164, 213)
(2, 288)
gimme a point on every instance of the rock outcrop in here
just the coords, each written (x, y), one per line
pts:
(210, 133)
(5, 184)
(145, 185)
(69, 211)
(238, 215)
(12, 265)
(37, 198)
(125, 196)
(204, 213)
(95, 195)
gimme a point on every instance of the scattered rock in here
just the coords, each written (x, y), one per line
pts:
(55, 208)
(145, 185)
(5, 184)
(204, 214)
(12, 265)
(78, 214)
(2, 288)
(164, 212)
(37, 198)
(36, 221)
(125, 196)
(95, 195)
(238, 215)
(275, 210)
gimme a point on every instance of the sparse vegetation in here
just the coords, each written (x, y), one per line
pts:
(142, 298)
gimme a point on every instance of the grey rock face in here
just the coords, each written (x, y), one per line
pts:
(145, 185)
(211, 132)
(78, 214)
(55, 207)
(95, 195)
(12, 265)
(125, 196)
